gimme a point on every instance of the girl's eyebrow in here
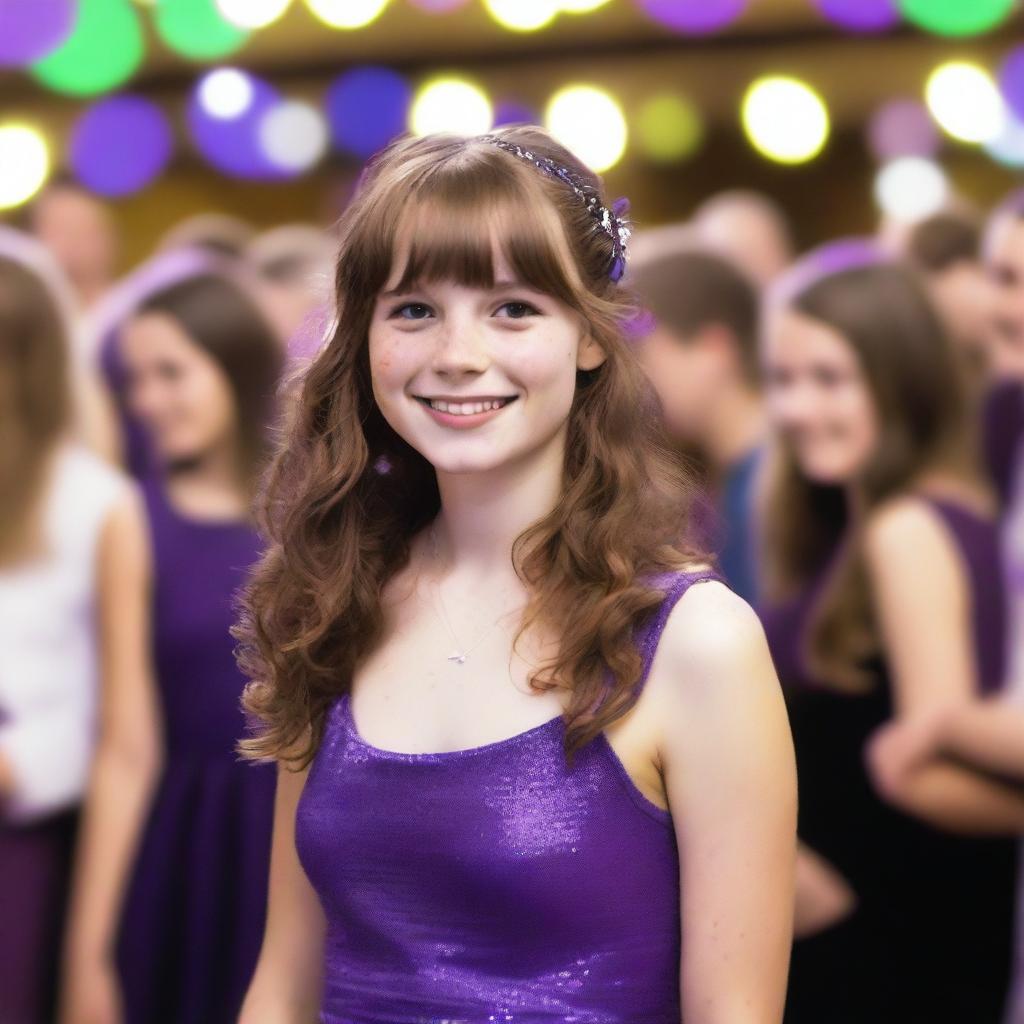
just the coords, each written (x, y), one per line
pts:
(498, 286)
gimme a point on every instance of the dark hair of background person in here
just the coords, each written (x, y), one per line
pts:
(942, 240)
(687, 290)
(219, 317)
(883, 312)
(347, 494)
(35, 399)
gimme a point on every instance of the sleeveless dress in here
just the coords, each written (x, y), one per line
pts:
(48, 683)
(931, 937)
(195, 903)
(492, 883)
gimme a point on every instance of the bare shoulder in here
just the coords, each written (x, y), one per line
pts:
(904, 528)
(713, 645)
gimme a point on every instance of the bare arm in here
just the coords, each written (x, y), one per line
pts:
(730, 773)
(128, 752)
(823, 895)
(286, 985)
(987, 733)
(924, 609)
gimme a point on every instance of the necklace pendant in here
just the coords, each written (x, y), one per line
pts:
(457, 657)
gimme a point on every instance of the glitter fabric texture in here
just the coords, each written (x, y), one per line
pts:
(493, 885)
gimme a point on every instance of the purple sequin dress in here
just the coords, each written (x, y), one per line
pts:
(493, 884)
(194, 909)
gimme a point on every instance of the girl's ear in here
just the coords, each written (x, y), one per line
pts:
(590, 355)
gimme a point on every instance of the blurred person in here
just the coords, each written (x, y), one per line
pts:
(748, 228)
(294, 264)
(220, 234)
(880, 546)
(61, 509)
(495, 799)
(946, 249)
(170, 886)
(78, 229)
(700, 353)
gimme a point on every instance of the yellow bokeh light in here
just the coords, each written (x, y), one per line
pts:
(450, 105)
(965, 101)
(522, 15)
(590, 123)
(346, 13)
(581, 6)
(252, 13)
(785, 119)
(668, 127)
(24, 163)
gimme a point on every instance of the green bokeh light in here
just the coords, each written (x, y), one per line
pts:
(956, 17)
(668, 128)
(103, 52)
(196, 29)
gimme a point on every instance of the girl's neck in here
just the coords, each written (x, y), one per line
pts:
(214, 487)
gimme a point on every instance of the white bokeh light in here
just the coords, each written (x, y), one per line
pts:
(581, 6)
(252, 13)
(522, 15)
(785, 119)
(24, 163)
(346, 13)
(293, 135)
(225, 93)
(910, 188)
(589, 122)
(1008, 146)
(450, 105)
(965, 100)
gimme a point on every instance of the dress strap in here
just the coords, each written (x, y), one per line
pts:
(676, 584)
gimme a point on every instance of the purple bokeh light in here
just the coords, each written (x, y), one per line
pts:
(366, 108)
(694, 17)
(232, 145)
(120, 145)
(514, 112)
(861, 15)
(1011, 81)
(902, 127)
(32, 29)
(438, 6)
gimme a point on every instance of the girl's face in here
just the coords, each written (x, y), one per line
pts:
(178, 391)
(477, 378)
(1006, 271)
(818, 398)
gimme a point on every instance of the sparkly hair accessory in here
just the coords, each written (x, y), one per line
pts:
(611, 220)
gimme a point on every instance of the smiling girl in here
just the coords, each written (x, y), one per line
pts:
(529, 769)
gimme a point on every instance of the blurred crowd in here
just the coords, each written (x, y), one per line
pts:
(854, 415)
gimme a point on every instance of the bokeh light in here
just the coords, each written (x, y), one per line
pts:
(522, 15)
(225, 92)
(580, 6)
(24, 163)
(104, 50)
(1011, 81)
(910, 188)
(450, 105)
(30, 29)
(367, 107)
(232, 145)
(785, 119)
(293, 136)
(196, 29)
(668, 128)
(509, 111)
(861, 15)
(956, 17)
(902, 127)
(965, 101)
(694, 17)
(1007, 147)
(119, 145)
(590, 123)
(248, 14)
(438, 6)
(347, 13)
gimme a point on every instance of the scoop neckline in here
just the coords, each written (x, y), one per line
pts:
(508, 741)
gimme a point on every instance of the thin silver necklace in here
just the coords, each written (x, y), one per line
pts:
(460, 654)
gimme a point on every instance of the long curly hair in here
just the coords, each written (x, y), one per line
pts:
(345, 494)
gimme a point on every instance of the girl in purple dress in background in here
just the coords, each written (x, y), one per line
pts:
(170, 890)
(533, 758)
(880, 557)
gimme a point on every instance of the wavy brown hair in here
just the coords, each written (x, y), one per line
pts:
(883, 312)
(35, 400)
(339, 528)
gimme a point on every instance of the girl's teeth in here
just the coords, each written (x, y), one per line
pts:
(465, 408)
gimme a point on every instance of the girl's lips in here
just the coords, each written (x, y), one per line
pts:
(463, 421)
